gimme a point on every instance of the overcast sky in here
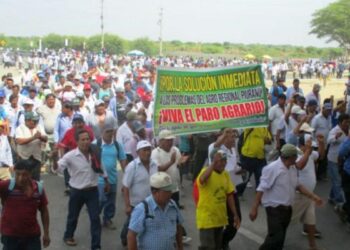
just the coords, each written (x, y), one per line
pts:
(236, 21)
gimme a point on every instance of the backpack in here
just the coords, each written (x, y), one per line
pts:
(12, 185)
(99, 148)
(241, 141)
(147, 214)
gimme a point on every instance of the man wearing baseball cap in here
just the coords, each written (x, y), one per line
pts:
(29, 137)
(156, 209)
(136, 182)
(276, 192)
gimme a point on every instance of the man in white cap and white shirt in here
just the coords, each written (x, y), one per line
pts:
(156, 209)
(167, 157)
(136, 185)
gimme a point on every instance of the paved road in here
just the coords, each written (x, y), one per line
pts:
(249, 237)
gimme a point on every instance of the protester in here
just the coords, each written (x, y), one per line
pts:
(6, 161)
(226, 143)
(29, 138)
(215, 190)
(276, 192)
(156, 209)
(21, 198)
(136, 185)
(84, 170)
(110, 153)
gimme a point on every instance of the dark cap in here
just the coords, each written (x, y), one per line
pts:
(312, 102)
(77, 117)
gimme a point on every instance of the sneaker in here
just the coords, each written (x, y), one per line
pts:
(186, 239)
(317, 233)
(249, 185)
(70, 242)
(109, 225)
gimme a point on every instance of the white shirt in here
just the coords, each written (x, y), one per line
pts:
(79, 168)
(161, 157)
(124, 137)
(136, 179)
(5, 152)
(321, 124)
(275, 114)
(334, 144)
(278, 184)
(33, 147)
(307, 176)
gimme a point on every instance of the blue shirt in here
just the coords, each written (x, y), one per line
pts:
(109, 157)
(159, 232)
(274, 98)
(63, 123)
(291, 90)
(344, 153)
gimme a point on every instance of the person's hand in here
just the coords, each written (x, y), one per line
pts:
(107, 187)
(236, 222)
(37, 135)
(318, 201)
(339, 134)
(46, 240)
(128, 210)
(253, 213)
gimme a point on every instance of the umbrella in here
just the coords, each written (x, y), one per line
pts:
(249, 56)
(135, 53)
(267, 57)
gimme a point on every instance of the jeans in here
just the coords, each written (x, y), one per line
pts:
(107, 201)
(199, 158)
(278, 219)
(230, 231)
(21, 243)
(336, 194)
(346, 188)
(77, 199)
(253, 166)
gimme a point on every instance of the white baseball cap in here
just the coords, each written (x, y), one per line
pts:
(166, 134)
(143, 144)
(162, 181)
(306, 128)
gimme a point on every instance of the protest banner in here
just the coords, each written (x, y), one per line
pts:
(205, 100)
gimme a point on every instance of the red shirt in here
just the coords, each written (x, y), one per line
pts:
(19, 211)
(68, 142)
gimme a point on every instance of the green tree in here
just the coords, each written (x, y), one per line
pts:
(113, 44)
(53, 41)
(333, 23)
(145, 45)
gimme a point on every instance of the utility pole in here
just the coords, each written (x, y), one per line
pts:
(102, 26)
(160, 23)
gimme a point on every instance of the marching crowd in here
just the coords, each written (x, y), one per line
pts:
(81, 115)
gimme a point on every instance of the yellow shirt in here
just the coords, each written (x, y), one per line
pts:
(254, 143)
(211, 207)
